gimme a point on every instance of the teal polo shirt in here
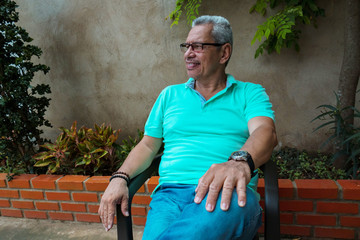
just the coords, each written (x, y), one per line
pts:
(198, 133)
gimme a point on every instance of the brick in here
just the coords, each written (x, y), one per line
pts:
(286, 189)
(47, 206)
(11, 213)
(83, 217)
(296, 205)
(21, 181)
(9, 193)
(295, 230)
(337, 207)
(59, 196)
(85, 197)
(26, 194)
(61, 216)
(152, 183)
(141, 189)
(23, 204)
(45, 181)
(316, 189)
(334, 233)
(93, 208)
(97, 183)
(348, 221)
(3, 180)
(72, 182)
(350, 189)
(35, 214)
(140, 221)
(287, 218)
(4, 203)
(141, 199)
(316, 220)
(261, 187)
(262, 204)
(138, 211)
(73, 207)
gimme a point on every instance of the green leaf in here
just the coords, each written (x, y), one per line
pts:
(267, 33)
(80, 161)
(42, 163)
(324, 125)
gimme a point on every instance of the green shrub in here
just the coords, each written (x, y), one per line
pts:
(345, 137)
(294, 164)
(84, 151)
(128, 145)
(22, 104)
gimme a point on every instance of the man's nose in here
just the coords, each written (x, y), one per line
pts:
(189, 51)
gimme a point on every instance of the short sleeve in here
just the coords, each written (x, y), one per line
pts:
(154, 123)
(257, 103)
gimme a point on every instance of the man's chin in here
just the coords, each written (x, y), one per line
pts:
(191, 74)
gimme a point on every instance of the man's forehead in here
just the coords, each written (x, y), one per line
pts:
(200, 33)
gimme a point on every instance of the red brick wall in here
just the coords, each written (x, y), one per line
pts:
(309, 208)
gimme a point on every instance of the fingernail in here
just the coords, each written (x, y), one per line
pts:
(197, 200)
(109, 227)
(224, 206)
(209, 207)
(126, 213)
(242, 203)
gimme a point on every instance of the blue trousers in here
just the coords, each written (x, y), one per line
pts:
(174, 215)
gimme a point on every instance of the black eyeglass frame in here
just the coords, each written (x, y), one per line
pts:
(185, 46)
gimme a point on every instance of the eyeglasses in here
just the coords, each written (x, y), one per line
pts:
(197, 47)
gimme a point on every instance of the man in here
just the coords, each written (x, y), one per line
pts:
(216, 132)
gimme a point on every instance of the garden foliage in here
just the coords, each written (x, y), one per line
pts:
(283, 29)
(22, 103)
(280, 30)
(294, 164)
(81, 151)
(344, 136)
(191, 8)
(86, 151)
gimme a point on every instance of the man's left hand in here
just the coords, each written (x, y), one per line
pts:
(225, 176)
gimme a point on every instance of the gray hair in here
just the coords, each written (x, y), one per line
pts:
(221, 32)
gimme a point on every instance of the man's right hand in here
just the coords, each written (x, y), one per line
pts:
(116, 193)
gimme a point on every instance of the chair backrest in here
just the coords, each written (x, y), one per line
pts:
(272, 212)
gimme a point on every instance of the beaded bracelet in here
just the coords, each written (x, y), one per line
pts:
(120, 176)
(123, 173)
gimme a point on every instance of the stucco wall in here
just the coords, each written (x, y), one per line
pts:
(110, 59)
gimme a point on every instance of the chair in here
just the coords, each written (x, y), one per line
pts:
(272, 217)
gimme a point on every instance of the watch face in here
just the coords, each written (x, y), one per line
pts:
(240, 155)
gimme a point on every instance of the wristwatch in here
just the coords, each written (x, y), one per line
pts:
(244, 156)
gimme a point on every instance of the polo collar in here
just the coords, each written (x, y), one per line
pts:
(230, 80)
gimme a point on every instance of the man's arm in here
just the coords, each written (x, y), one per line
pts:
(231, 174)
(117, 192)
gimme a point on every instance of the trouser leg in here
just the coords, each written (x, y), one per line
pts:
(195, 222)
(165, 207)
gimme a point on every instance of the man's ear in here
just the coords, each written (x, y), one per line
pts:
(226, 53)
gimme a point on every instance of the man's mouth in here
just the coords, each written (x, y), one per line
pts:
(191, 65)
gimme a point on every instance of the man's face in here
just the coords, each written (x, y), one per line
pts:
(206, 63)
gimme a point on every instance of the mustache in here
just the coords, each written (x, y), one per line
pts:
(191, 61)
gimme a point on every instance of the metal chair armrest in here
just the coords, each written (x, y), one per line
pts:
(124, 224)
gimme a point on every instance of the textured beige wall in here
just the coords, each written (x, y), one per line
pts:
(110, 59)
